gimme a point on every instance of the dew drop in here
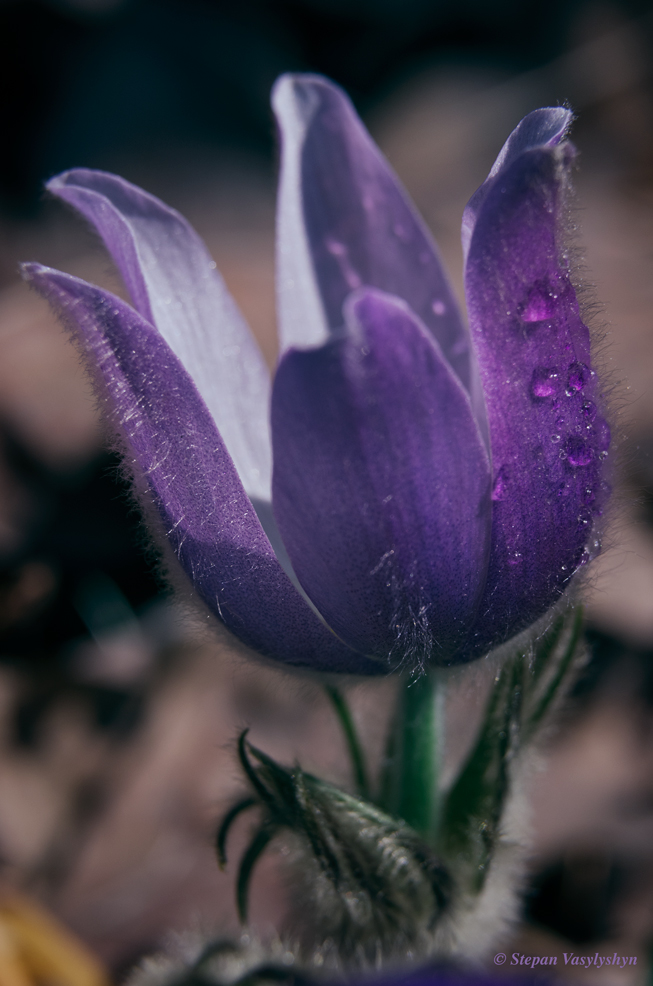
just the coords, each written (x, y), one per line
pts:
(588, 410)
(578, 452)
(560, 422)
(438, 306)
(339, 251)
(588, 495)
(585, 520)
(556, 438)
(539, 304)
(500, 487)
(401, 232)
(335, 247)
(579, 374)
(544, 382)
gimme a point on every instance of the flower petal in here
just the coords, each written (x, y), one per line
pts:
(345, 222)
(545, 127)
(381, 484)
(174, 285)
(178, 452)
(547, 435)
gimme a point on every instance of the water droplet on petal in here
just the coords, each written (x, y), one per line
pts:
(585, 520)
(588, 495)
(556, 438)
(339, 251)
(539, 304)
(500, 487)
(438, 306)
(335, 248)
(578, 452)
(545, 382)
(515, 558)
(588, 410)
(579, 374)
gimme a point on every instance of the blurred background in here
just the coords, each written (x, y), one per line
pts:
(117, 720)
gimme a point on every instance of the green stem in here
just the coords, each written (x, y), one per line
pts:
(418, 773)
(351, 738)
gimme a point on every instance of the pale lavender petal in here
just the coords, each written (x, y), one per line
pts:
(545, 127)
(177, 450)
(547, 433)
(381, 484)
(173, 284)
(345, 222)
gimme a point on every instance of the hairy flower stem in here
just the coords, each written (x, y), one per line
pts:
(409, 787)
(419, 774)
(392, 869)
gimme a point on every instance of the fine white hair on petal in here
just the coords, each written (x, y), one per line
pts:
(301, 316)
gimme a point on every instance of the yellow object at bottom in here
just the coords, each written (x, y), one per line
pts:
(35, 950)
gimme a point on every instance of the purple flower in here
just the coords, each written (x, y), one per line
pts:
(434, 487)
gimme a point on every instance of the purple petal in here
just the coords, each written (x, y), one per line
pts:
(545, 127)
(207, 517)
(381, 484)
(345, 222)
(547, 436)
(174, 285)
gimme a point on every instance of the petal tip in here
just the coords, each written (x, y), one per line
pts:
(297, 94)
(32, 271)
(365, 301)
(63, 179)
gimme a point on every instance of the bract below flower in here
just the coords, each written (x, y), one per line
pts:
(434, 486)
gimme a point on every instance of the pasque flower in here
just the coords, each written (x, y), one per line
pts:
(434, 486)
